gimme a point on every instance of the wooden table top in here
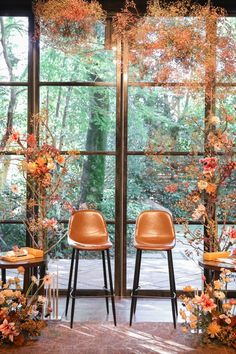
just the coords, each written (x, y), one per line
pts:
(27, 263)
(216, 265)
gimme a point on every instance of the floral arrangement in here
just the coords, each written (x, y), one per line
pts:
(204, 199)
(210, 314)
(43, 167)
(21, 316)
(68, 24)
(179, 33)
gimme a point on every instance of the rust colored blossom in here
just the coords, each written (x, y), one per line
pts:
(209, 163)
(171, 188)
(31, 140)
(231, 233)
(15, 136)
(211, 188)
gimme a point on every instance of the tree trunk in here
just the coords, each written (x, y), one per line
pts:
(11, 105)
(93, 175)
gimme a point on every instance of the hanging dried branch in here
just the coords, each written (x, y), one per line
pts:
(67, 25)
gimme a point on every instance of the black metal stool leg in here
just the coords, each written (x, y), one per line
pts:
(138, 276)
(111, 287)
(135, 282)
(105, 281)
(4, 278)
(69, 283)
(172, 294)
(173, 281)
(74, 288)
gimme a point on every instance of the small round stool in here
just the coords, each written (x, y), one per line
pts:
(31, 267)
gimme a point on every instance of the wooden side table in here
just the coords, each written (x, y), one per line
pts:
(214, 267)
(31, 267)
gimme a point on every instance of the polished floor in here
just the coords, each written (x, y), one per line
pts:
(93, 309)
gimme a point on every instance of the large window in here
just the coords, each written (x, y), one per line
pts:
(100, 105)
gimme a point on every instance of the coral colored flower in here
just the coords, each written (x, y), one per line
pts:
(229, 118)
(171, 188)
(60, 159)
(209, 163)
(213, 329)
(31, 140)
(68, 206)
(8, 330)
(47, 280)
(14, 188)
(205, 302)
(231, 233)
(49, 223)
(15, 136)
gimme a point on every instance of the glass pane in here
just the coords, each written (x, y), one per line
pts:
(81, 117)
(155, 184)
(89, 182)
(94, 63)
(226, 54)
(226, 103)
(168, 120)
(11, 235)
(170, 52)
(12, 189)
(13, 109)
(14, 49)
(154, 266)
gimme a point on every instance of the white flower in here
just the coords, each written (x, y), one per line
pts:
(42, 299)
(34, 280)
(214, 120)
(219, 295)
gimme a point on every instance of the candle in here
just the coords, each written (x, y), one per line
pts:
(57, 294)
(53, 295)
(50, 298)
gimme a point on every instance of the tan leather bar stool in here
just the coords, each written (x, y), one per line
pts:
(154, 231)
(88, 232)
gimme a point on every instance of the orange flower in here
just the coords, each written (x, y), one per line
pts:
(41, 161)
(31, 140)
(171, 188)
(211, 188)
(21, 270)
(15, 136)
(31, 167)
(60, 159)
(213, 329)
